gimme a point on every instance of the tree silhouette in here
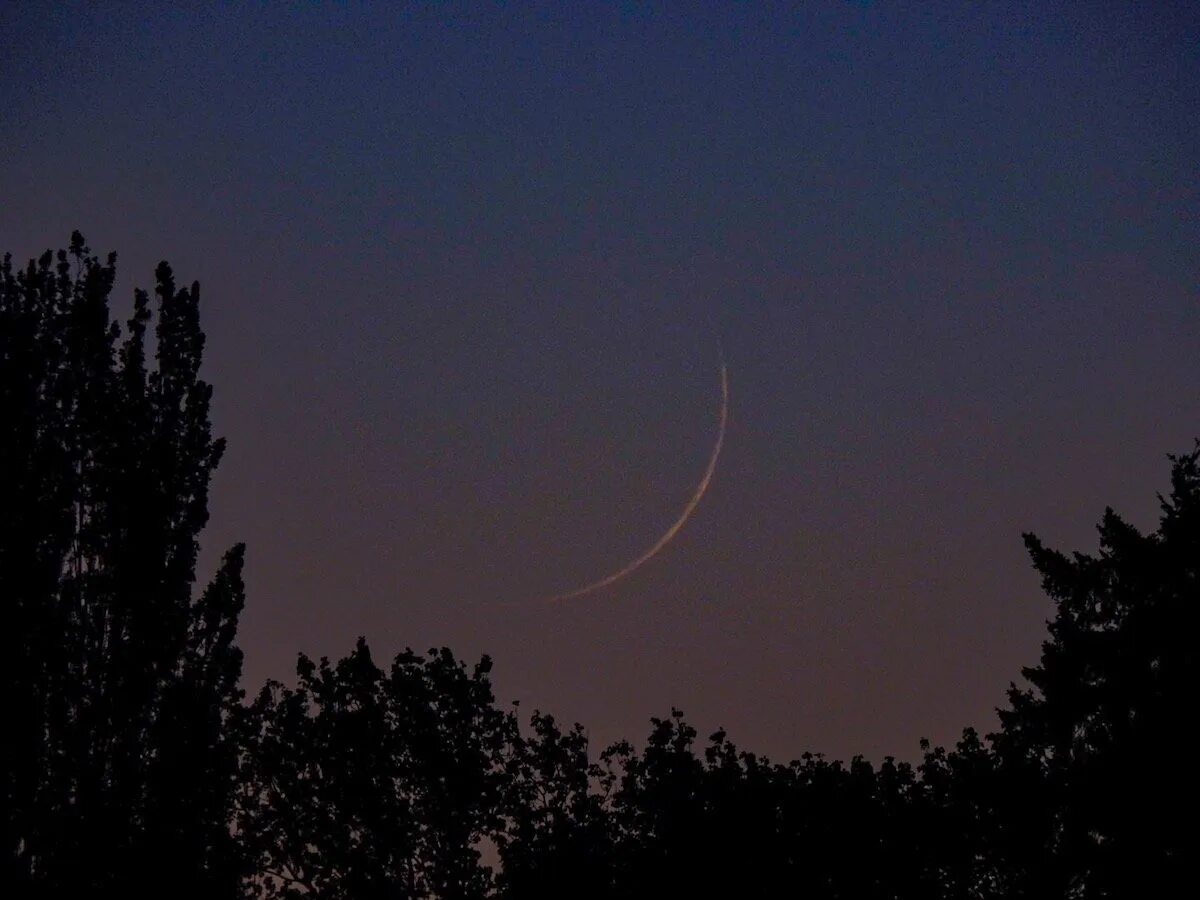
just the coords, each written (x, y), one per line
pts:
(558, 835)
(118, 767)
(128, 759)
(1101, 721)
(362, 783)
(1074, 796)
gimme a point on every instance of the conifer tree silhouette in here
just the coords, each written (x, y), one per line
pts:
(1102, 718)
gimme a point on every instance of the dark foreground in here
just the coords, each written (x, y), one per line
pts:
(132, 762)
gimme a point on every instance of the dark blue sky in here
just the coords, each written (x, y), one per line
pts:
(464, 268)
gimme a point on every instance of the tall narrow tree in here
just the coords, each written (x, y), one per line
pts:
(118, 770)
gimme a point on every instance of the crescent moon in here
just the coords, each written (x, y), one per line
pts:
(697, 496)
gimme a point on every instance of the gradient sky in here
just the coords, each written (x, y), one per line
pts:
(464, 269)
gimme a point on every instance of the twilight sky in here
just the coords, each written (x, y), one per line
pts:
(465, 266)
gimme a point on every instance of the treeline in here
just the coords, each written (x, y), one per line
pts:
(132, 761)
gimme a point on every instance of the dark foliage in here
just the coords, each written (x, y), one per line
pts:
(364, 783)
(558, 835)
(118, 765)
(1103, 716)
(129, 762)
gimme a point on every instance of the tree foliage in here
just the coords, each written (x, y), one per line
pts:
(1102, 715)
(129, 760)
(118, 766)
(362, 783)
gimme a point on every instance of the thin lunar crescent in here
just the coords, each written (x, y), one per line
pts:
(683, 516)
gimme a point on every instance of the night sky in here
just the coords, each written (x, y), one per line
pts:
(465, 269)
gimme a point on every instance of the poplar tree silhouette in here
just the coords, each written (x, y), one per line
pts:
(118, 760)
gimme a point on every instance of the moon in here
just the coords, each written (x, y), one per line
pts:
(688, 509)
